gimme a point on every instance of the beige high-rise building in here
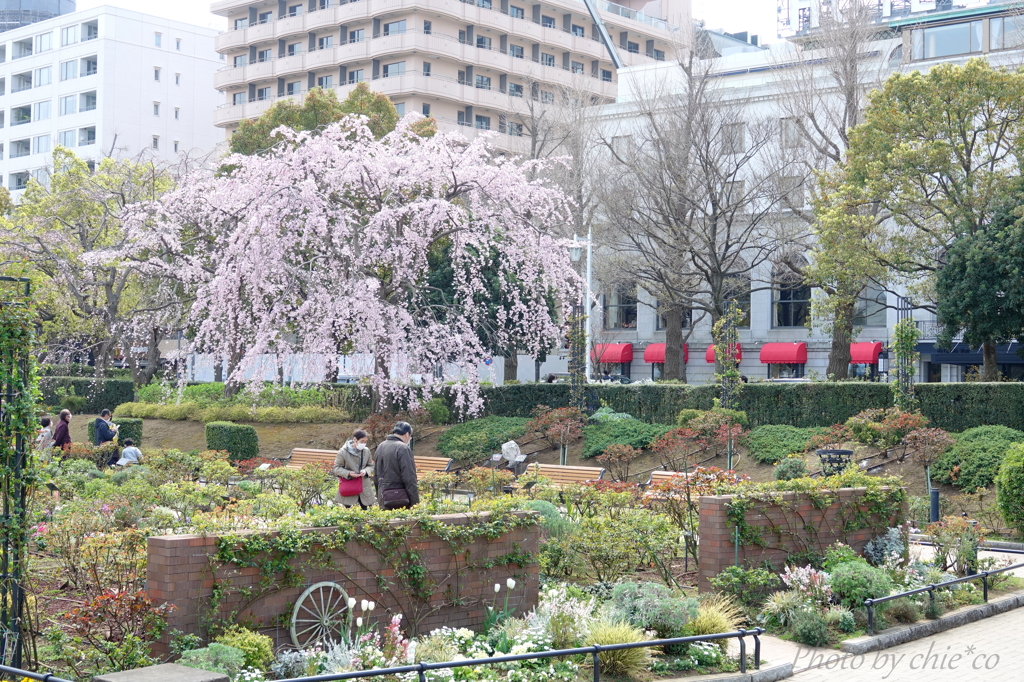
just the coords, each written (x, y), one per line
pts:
(471, 65)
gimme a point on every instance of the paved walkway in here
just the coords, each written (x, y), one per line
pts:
(991, 650)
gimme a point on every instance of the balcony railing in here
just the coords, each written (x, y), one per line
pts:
(931, 329)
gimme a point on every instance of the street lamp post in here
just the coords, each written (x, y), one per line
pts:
(575, 253)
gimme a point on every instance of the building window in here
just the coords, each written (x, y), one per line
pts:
(264, 55)
(156, 108)
(870, 310)
(241, 60)
(792, 191)
(69, 35)
(427, 28)
(295, 10)
(662, 323)
(325, 42)
(483, 82)
(68, 70)
(91, 30)
(87, 136)
(42, 110)
(791, 135)
(734, 138)
(294, 49)
(606, 75)
(158, 39)
(578, 31)
(156, 142)
(177, 113)
(68, 138)
(156, 74)
(68, 105)
(88, 101)
(263, 93)
(1005, 32)
(44, 76)
(946, 41)
(356, 36)
(632, 47)
(90, 66)
(265, 17)
(20, 148)
(325, 82)
(516, 51)
(177, 79)
(547, 97)
(515, 129)
(44, 42)
(293, 88)
(785, 370)
(241, 23)
(177, 44)
(18, 180)
(792, 304)
(41, 144)
(659, 55)
(577, 67)
(21, 48)
(2, 117)
(175, 146)
(21, 115)
(620, 310)
(516, 12)
(394, 28)
(483, 122)
(395, 69)
(486, 4)
(400, 109)
(426, 68)
(21, 81)
(547, 22)
(515, 90)
(547, 59)
(460, 118)
(737, 289)
(483, 42)
(3, 86)
(355, 76)
(425, 110)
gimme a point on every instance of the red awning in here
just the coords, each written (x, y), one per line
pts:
(709, 354)
(612, 352)
(655, 352)
(784, 353)
(865, 353)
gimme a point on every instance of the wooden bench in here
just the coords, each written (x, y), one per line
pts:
(566, 475)
(300, 457)
(658, 477)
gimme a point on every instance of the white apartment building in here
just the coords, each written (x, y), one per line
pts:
(775, 342)
(468, 63)
(104, 82)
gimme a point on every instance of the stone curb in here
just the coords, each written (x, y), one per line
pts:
(766, 674)
(908, 633)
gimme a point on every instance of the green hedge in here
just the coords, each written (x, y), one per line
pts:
(78, 370)
(234, 413)
(240, 440)
(98, 393)
(128, 428)
(965, 405)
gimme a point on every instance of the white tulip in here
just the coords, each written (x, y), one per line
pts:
(497, 587)
(511, 584)
(363, 604)
(359, 622)
(373, 605)
(351, 603)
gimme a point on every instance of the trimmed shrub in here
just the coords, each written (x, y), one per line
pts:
(98, 393)
(810, 628)
(239, 440)
(1010, 487)
(854, 581)
(790, 468)
(480, 438)
(652, 606)
(632, 432)
(974, 460)
(216, 658)
(769, 444)
(438, 411)
(749, 585)
(258, 649)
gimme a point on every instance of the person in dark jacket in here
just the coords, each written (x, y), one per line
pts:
(62, 435)
(395, 470)
(106, 432)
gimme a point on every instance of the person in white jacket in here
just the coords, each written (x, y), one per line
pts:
(354, 461)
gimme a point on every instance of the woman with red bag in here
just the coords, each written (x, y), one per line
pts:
(353, 466)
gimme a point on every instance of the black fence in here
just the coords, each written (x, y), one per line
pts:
(422, 668)
(18, 673)
(930, 589)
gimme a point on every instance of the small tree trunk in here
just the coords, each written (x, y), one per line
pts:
(145, 375)
(673, 342)
(990, 371)
(218, 370)
(842, 334)
(511, 365)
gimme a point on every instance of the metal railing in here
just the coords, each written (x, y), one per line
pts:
(869, 604)
(422, 668)
(43, 677)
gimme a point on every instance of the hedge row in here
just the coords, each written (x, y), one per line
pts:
(127, 428)
(98, 393)
(78, 370)
(240, 440)
(962, 406)
(241, 413)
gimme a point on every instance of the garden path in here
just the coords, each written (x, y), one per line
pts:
(987, 650)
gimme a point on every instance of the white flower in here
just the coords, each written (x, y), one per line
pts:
(511, 584)
(497, 587)
(351, 602)
(363, 604)
(373, 605)
(359, 622)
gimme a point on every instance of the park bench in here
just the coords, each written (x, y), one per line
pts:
(300, 457)
(562, 475)
(658, 477)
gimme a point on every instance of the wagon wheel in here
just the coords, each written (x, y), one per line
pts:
(320, 615)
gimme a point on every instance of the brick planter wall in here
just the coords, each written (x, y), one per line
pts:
(179, 571)
(717, 551)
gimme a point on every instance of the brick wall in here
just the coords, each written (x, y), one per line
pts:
(805, 527)
(179, 571)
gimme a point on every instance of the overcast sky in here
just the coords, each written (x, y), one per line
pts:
(754, 16)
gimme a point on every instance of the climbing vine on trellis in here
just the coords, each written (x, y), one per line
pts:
(881, 505)
(393, 538)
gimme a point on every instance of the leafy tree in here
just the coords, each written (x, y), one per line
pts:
(319, 109)
(981, 286)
